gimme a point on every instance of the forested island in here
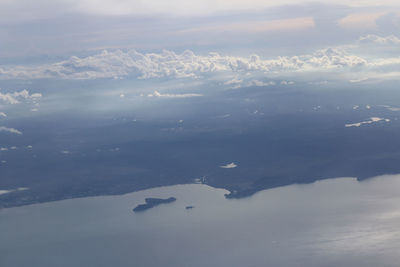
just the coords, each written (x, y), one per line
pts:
(152, 202)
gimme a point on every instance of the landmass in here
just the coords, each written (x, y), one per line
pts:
(294, 144)
(152, 202)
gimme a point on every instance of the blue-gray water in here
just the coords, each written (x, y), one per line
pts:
(336, 222)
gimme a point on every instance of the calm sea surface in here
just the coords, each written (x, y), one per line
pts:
(336, 222)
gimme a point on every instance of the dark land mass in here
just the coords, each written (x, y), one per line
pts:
(152, 202)
(295, 137)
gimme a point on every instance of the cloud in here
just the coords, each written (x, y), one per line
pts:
(112, 64)
(158, 94)
(358, 80)
(395, 109)
(247, 71)
(2, 114)
(260, 83)
(375, 39)
(371, 120)
(10, 130)
(286, 82)
(224, 116)
(8, 98)
(6, 148)
(25, 9)
(229, 166)
(292, 24)
(363, 21)
(15, 97)
(2, 192)
(233, 81)
(14, 190)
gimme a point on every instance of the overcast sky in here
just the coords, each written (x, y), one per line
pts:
(72, 27)
(249, 41)
(25, 9)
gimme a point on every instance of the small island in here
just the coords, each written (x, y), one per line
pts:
(152, 202)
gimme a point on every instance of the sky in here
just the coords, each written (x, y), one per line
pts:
(51, 29)
(235, 44)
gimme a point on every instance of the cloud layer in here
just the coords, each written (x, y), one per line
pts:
(117, 64)
(47, 8)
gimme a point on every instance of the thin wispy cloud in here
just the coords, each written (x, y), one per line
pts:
(371, 120)
(158, 94)
(10, 130)
(292, 24)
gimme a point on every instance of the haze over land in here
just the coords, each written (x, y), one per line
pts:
(101, 97)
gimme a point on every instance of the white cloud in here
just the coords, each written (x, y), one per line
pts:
(6, 148)
(371, 120)
(286, 82)
(158, 94)
(10, 130)
(229, 166)
(8, 98)
(224, 116)
(15, 97)
(14, 190)
(391, 108)
(2, 192)
(375, 39)
(233, 81)
(111, 64)
(358, 80)
(260, 83)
